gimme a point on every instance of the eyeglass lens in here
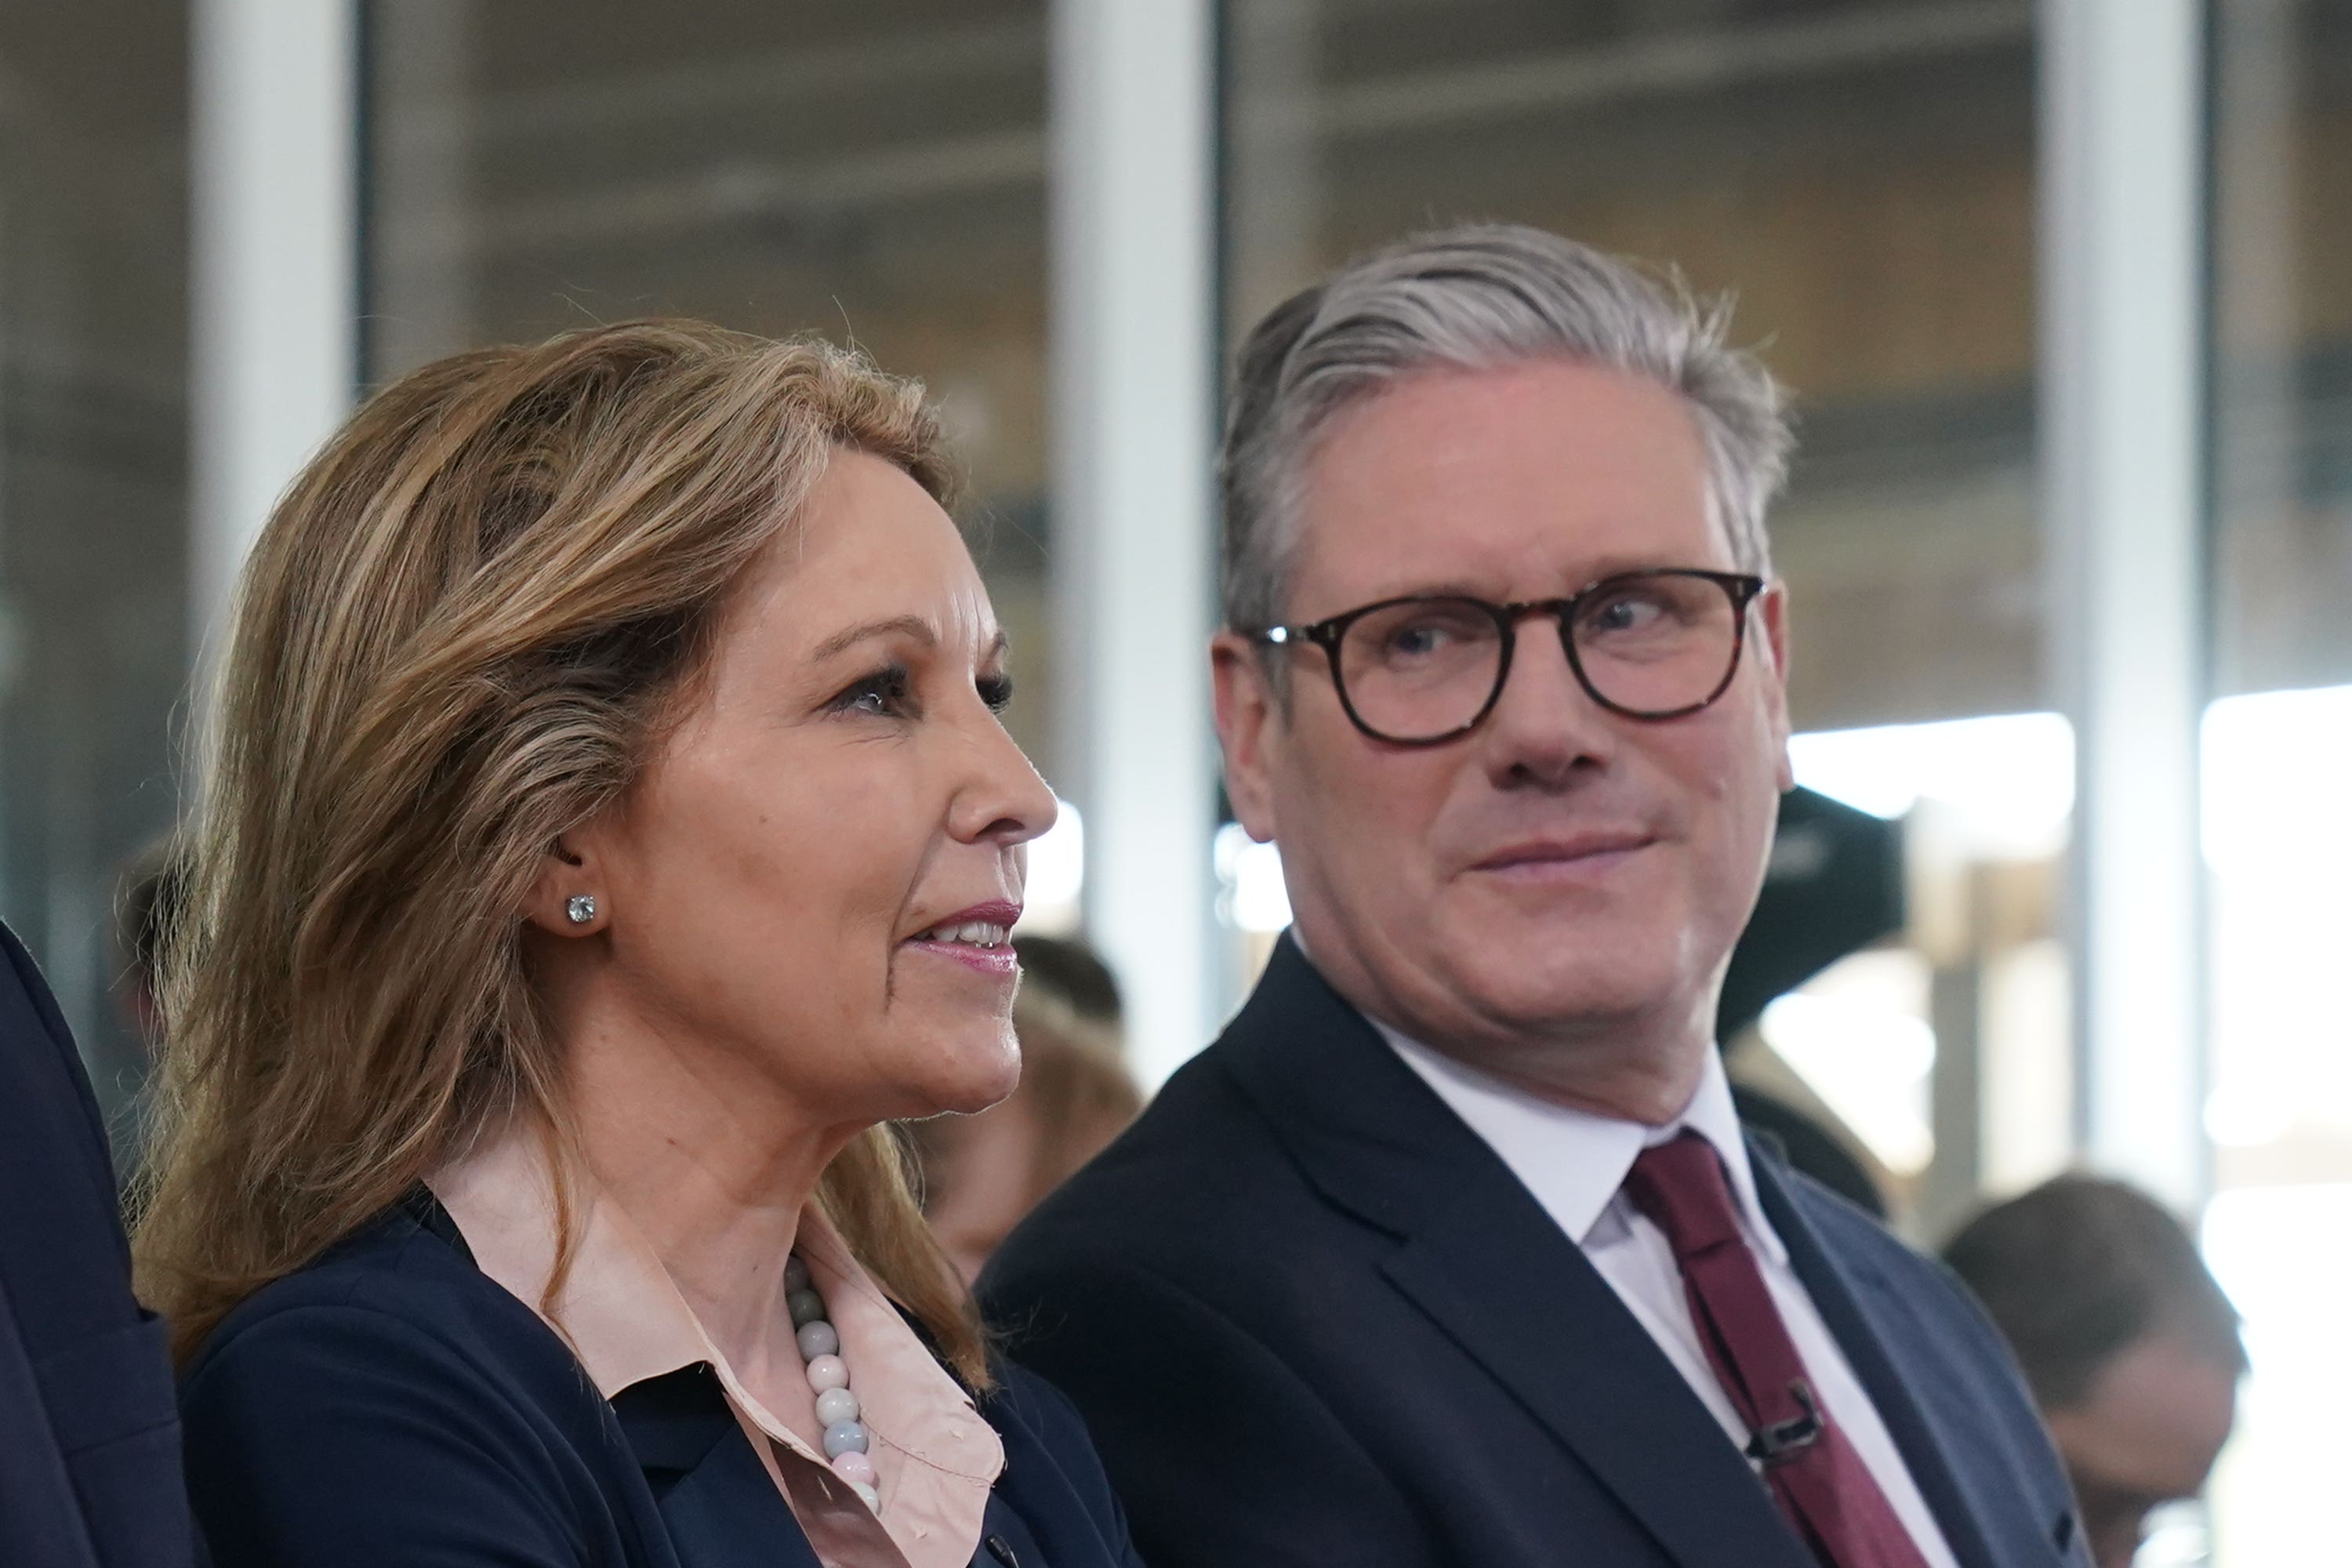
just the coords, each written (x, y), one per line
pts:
(1645, 645)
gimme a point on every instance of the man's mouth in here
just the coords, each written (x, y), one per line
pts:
(1595, 848)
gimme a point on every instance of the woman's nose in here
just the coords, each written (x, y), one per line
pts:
(1007, 802)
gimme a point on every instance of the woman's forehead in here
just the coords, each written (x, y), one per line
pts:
(870, 552)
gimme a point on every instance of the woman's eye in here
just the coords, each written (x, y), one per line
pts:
(996, 690)
(886, 693)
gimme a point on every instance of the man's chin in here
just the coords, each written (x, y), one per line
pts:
(1542, 993)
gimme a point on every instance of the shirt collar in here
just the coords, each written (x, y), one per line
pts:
(625, 1320)
(1575, 1162)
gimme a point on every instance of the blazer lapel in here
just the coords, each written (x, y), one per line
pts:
(1859, 1307)
(1479, 1255)
(718, 1504)
(726, 1511)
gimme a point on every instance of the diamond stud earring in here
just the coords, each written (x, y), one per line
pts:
(581, 908)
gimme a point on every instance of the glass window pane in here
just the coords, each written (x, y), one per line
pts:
(2278, 751)
(867, 172)
(93, 362)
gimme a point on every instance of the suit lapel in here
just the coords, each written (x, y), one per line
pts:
(1529, 1308)
(1477, 1253)
(1860, 1308)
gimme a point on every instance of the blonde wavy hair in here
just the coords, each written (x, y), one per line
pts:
(462, 633)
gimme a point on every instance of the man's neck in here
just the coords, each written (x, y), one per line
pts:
(1645, 1089)
(1639, 1066)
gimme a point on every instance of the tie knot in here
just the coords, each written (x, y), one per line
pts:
(1680, 1186)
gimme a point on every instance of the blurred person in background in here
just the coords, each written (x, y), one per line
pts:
(1450, 1250)
(146, 902)
(611, 828)
(2130, 1346)
(982, 1173)
(1075, 975)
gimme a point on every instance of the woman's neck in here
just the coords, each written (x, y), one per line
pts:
(712, 1167)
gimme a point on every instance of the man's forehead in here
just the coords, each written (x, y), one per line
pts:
(1551, 471)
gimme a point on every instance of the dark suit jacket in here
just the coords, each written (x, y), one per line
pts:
(1312, 1318)
(90, 1445)
(392, 1406)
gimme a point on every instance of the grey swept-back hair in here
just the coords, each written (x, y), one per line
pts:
(1478, 297)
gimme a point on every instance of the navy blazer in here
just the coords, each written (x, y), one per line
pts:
(392, 1406)
(1312, 1318)
(89, 1444)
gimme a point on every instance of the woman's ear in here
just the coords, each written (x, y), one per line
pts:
(568, 898)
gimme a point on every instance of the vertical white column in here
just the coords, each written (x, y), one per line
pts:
(2123, 312)
(1133, 363)
(272, 297)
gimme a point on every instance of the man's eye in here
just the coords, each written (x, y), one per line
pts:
(1417, 639)
(1633, 612)
(886, 693)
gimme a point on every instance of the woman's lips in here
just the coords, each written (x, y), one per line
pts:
(996, 961)
(978, 938)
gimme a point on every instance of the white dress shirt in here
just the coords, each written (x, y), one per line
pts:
(1575, 1163)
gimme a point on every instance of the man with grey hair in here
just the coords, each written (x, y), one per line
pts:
(1451, 1250)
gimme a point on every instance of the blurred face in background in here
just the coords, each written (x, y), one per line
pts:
(2146, 1434)
(808, 896)
(983, 1174)
(1553, 896)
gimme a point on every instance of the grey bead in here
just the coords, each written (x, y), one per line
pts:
(805, 1306)
(818, 1339)
(796, 1274)
(843, 1438)
(835, 1405)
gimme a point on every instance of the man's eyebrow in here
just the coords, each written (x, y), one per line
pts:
(1600, 571)
(913, 626)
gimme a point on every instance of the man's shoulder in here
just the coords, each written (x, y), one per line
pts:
(1855, 1236)
(1203, 1182)
(1860, 1243)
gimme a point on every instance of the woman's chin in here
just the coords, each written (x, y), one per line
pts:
(970, 1077)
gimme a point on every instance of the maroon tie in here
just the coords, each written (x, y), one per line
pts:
(1814, 1474)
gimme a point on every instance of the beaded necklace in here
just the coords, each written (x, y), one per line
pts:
(837, 1410)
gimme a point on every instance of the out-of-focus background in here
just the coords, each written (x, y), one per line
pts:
(2061, 289)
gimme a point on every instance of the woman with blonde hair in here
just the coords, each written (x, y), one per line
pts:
(610, 829)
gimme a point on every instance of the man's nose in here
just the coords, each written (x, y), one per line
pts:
(1545, 727)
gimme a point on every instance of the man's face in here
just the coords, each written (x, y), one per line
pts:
(2147, 1432)
(1561, 873)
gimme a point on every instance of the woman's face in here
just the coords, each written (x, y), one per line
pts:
(810, 889)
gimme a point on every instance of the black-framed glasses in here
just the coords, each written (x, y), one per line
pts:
(1428, 667)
